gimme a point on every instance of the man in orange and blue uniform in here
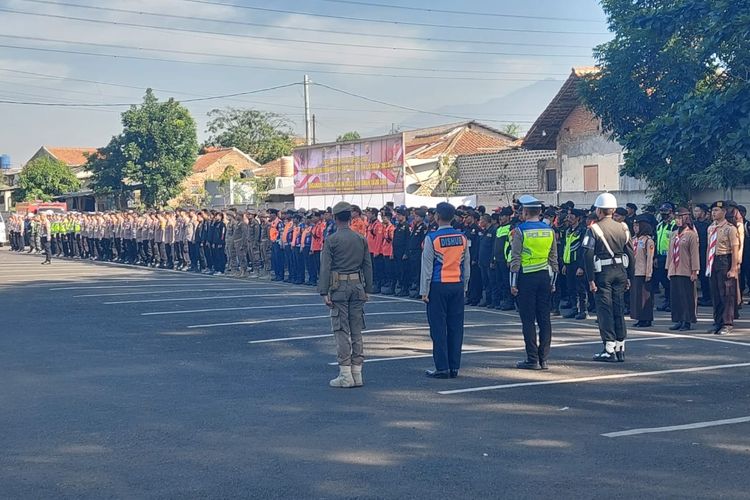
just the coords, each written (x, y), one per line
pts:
(446, 268)
(533, 273)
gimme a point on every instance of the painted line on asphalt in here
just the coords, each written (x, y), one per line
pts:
(693, 337)
(279, 320)
(210, 297)
(672, 428)
(379, 330)
(489, 349)
(596, 378)
(170, 283)
(156, 292)
(245, 308)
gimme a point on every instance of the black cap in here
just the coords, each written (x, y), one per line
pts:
(577, 212)
(445, 211)
(420, 213)
(621, 211)
(273, 211)
(401, 211)
(731, 204)
(506, 211)
(632, 206)
(719, 204)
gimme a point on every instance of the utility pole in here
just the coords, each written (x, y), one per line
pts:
(308, 121)
(314, 138)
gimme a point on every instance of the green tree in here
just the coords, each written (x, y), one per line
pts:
(511, 129)
(673, 90)
(262, 135)
(156, 149)
(348, 136)
(43, 178)
(261, 185)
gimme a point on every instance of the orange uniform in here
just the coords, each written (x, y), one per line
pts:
(387, 246)
(358, 225)
(375, 238)
(285, 233)
(317, 236)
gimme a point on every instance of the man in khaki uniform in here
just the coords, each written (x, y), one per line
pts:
(723, 268)
(345, 280)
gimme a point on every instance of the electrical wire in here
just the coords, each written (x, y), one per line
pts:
(399, 106)
(292, 61)
(302, 28)
(295, 70)
(461, 12)
(120, 104)
(289, 40)
(387, 21)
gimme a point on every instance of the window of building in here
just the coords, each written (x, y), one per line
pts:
(551, 179)
(591, 178)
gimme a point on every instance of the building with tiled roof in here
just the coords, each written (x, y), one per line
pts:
(210, 165)
(430, 151)
(74, 158)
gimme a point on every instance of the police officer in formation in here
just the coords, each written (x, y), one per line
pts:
(533, 274)
(609, 269)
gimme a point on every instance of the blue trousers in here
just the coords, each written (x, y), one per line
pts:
(277, 261)
(288, 262)
(445, 314)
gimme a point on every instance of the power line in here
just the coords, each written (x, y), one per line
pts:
(292, 61)
(462, 12)
(288, 40)
(387, 21)
(399, 106)
(120, 104)
(302, 28)
(295, 70)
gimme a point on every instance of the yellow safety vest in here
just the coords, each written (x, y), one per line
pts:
(538, 239)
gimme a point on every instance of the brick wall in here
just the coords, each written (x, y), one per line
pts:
(512, 171)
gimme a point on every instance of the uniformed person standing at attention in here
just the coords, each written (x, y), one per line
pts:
(446, 270)
(722, 268)
(533, 273)
(345, 280)
(609, 264)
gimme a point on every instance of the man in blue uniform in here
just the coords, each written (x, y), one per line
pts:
(446, 270)
(533, 273)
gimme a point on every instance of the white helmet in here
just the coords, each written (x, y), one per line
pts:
(606, 200)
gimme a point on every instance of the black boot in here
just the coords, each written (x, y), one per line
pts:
(676, 326)
(686, 327)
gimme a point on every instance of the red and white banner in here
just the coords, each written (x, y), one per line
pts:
(366, 166)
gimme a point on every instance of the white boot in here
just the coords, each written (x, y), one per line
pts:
(344, 380)
(357, 375)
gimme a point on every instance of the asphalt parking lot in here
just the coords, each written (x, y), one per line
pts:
(131, 382)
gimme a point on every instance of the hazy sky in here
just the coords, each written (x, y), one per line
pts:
(216, 47)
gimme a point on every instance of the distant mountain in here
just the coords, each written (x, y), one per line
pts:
(521, 106)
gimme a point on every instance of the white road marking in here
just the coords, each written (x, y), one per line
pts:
(489, 349)
(244, 308)
(705, 337)
(179, 283)
(211, 297)
(380, 330)
(306, 337)
(672, 428)
(597, 377)
(191, 290)
(279, 320)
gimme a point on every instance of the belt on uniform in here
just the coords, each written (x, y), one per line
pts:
(611, 262)
(349, 277)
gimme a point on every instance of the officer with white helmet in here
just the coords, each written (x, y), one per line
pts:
(609, 266)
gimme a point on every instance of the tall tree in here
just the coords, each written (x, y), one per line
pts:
(674, 90)
(43, 178)
(157, 149)
(348, 136)
(262, 135)
(511, 129)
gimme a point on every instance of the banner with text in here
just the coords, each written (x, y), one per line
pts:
(367, 166)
